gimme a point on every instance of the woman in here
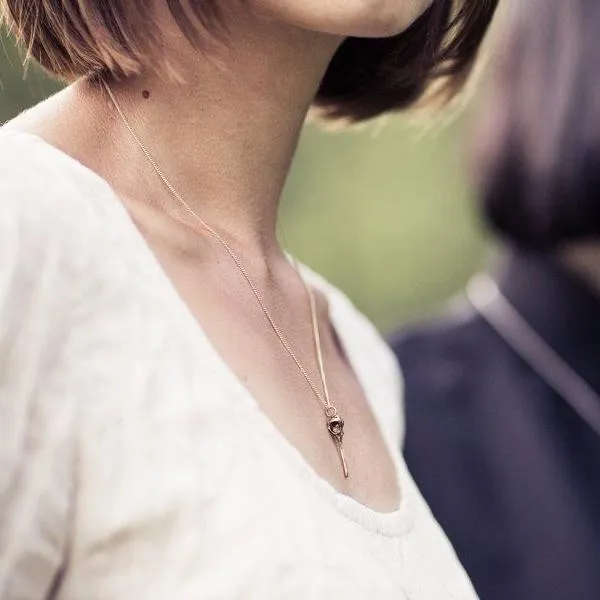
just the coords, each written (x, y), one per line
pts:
(503, 400)
(183, 415)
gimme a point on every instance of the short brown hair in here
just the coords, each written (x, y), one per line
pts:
(367, 77)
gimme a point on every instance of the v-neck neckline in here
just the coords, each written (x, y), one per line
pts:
(389, 523)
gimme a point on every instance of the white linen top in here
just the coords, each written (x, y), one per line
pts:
(134, 465)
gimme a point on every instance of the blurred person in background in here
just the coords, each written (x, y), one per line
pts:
(503, 398)
(183, 413)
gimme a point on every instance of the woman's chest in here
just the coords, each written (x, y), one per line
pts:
(203, 501)
(185, 489)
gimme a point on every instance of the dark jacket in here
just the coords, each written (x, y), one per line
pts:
(511, 472)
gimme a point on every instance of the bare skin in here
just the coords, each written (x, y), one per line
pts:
(226, 139)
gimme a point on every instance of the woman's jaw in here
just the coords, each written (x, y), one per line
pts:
(345, 18)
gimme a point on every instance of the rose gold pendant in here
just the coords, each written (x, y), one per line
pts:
(335, 425)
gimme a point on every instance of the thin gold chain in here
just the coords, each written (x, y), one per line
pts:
(324, 397)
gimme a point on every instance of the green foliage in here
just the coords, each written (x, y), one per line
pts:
(20, 85)
(383, 211)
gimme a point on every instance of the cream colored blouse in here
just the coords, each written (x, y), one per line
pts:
(133, 464)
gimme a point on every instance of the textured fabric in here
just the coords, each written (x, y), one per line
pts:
(134, 465)
(509, 469)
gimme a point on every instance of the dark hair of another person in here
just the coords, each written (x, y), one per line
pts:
(112, 38)
(538, 149)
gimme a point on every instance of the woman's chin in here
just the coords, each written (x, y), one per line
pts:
(386, 18)
(382, 28)
(351, 18)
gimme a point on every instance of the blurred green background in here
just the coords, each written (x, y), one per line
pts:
(384, 211)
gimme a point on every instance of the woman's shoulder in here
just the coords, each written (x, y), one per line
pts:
(51, 222)
(48, 202)
(35, 174)
(46, 227)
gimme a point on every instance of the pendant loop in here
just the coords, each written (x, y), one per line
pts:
(331, 412)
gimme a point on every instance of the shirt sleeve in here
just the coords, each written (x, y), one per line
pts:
(38, 264)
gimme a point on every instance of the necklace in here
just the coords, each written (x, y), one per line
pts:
(334, 422)
(494, 307)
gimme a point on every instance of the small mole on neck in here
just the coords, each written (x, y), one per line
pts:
(146, 94)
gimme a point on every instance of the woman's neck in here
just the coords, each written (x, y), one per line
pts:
(225, 138)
